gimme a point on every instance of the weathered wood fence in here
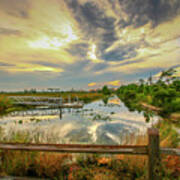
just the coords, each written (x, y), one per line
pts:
(152, 150)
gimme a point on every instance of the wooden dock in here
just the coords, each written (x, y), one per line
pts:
(53, 102)
(49, 102)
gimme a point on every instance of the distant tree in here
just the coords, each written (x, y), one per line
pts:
(25, 91)
(33, 91)
(141, 81)
(105, 90)
(176, 84)
(150, 80)
(168, 75)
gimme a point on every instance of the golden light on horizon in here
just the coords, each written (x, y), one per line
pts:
(92, 84)
(100, 84)
(114, 83)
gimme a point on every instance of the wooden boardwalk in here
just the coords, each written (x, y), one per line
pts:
(49, 102)
(52, 102)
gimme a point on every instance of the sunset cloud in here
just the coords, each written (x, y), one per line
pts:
(92, 84)
(115, 83)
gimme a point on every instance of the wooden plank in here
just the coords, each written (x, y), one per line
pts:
(170, 151)
(153, 154)
(76, 148)
(77, 145)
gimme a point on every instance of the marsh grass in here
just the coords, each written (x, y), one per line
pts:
(168, 135)
(5, 105)
(97, 117)
(81, 166)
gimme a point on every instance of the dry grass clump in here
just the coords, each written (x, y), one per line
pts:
(5, 104)
(87, 167)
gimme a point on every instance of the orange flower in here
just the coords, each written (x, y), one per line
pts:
(103, 160)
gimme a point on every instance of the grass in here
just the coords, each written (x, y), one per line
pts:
(5, 105)
(169, 137)
(97, 117)
(83, 167)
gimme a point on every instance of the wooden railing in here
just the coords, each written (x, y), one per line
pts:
(152, 150)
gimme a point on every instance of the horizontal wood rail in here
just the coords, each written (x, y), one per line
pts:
(76, 148)
(86, 148)
(152, 150)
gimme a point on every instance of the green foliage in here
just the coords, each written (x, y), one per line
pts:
(106, 91)
(5, 104)
(101, 117)
(168, 135)
(105, 100)
(164, 94)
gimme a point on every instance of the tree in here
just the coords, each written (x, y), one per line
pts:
(168, 75)
(105, 90)
(150, 80)
(141, 81)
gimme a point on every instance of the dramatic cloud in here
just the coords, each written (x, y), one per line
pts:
(5, 31)
(79, 42)
(140, 12)
(4, 64)
(18, 8)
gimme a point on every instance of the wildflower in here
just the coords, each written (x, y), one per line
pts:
(103, 161)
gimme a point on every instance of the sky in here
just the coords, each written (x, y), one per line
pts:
(85, 44)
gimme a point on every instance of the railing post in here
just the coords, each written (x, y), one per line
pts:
(60, 113)
(153, 154)
(69, 101)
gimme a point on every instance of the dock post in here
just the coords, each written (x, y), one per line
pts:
(69, 102)
(60, 108)
(60, 113)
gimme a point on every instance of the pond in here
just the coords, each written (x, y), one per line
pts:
(95, 123)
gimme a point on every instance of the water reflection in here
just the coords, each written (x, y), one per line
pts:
(97, 122)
